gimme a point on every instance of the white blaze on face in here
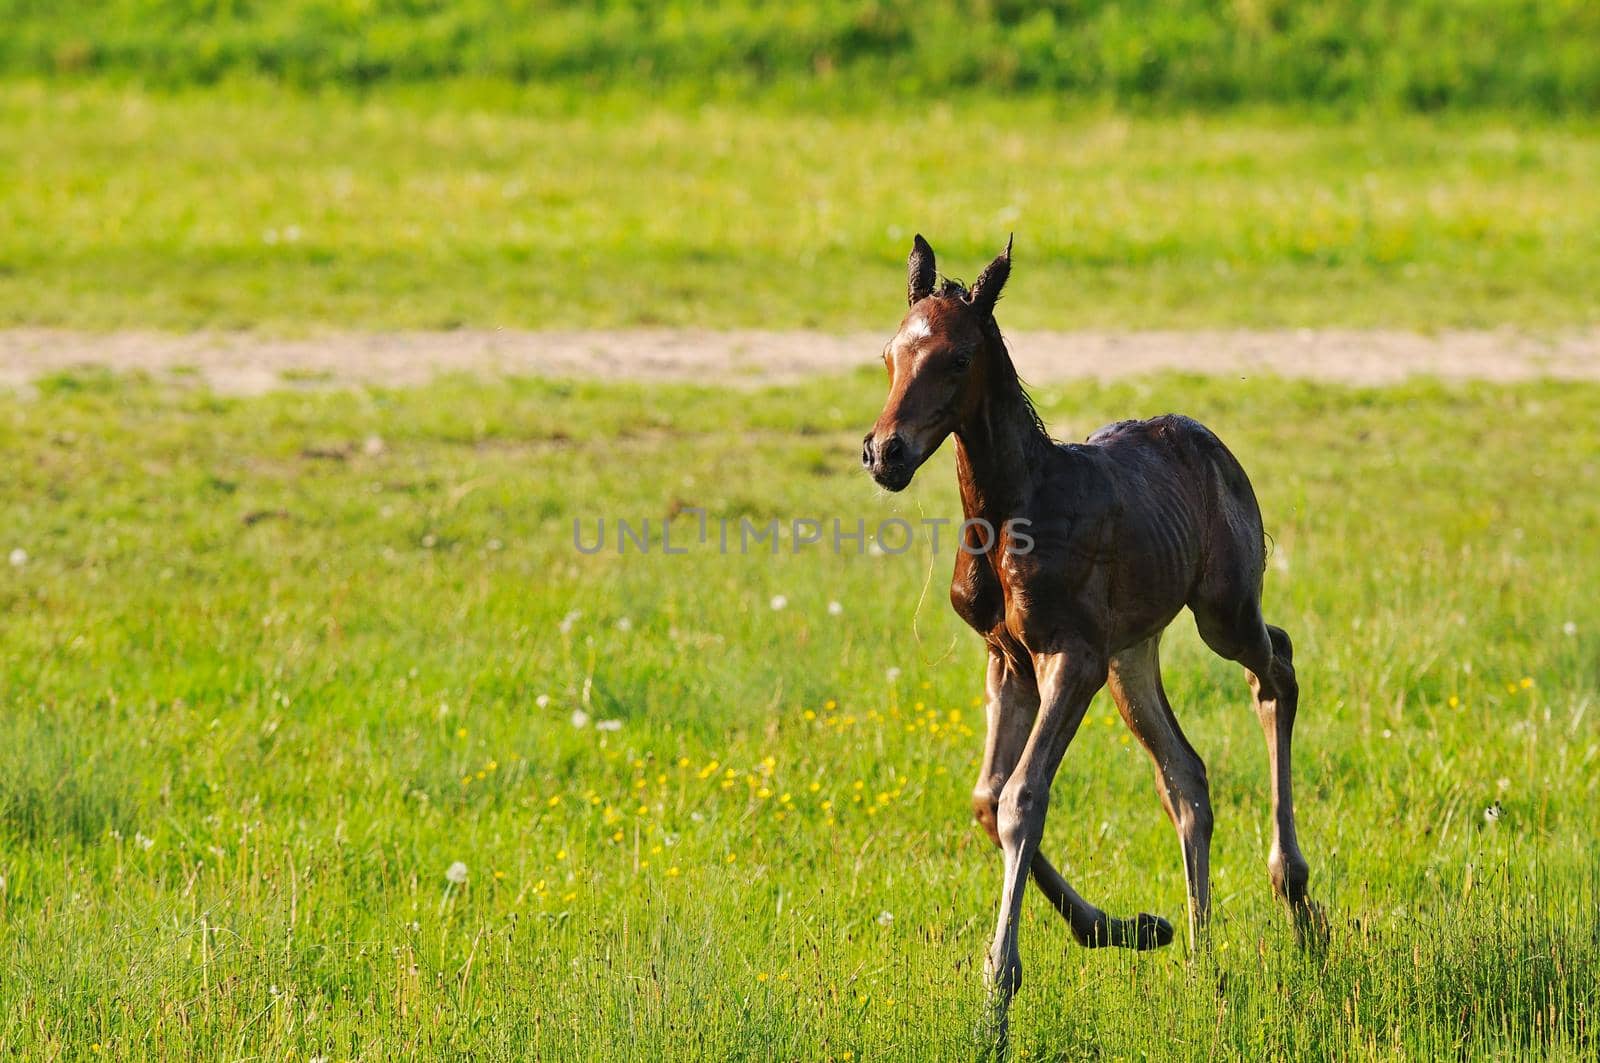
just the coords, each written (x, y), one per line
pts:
(905, 344)
(916, 329)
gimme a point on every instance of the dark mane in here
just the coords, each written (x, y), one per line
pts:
(1009, 371)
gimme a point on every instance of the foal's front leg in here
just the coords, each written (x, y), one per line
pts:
(1067, 681)
(1013, 705)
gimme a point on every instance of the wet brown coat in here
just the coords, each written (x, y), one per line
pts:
(1127, 528)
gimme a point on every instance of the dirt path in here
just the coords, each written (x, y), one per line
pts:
(242, 363)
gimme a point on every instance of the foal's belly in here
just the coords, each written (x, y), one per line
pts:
(1144, 600)
(1155, 563)
(1139, 623)
(1108, 587)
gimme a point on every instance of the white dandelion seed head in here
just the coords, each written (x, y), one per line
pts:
(779, 602)
(569, 620)
(1491, 815)
(608, 725)
(1569, 629)
(372, 446)
(580, 718)
(624, 624)
(835, 609)
(457, 873)
(543, 701)
(143, 842)
(2, 883)
(892, 674)
(1502, 784)
(885, 918)
(19, 557)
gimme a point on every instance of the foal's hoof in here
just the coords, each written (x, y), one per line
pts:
(1311, 929)
(1149, 932)
(1141, 933)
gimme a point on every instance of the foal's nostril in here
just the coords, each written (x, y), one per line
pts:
(893, 450)
(866, 451)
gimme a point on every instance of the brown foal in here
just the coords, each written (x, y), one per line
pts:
(1094, 549)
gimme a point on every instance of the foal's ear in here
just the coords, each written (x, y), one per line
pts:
(919, 271)
(986, 289)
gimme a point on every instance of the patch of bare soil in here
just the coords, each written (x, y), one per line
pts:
(242, 363)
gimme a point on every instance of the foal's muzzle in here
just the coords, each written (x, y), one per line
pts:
(889, 460)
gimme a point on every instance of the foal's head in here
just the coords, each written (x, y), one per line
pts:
(940, 363)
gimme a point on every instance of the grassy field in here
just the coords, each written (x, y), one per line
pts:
(273, 665)
(445, 206)
(321, 737)
(1539, 56)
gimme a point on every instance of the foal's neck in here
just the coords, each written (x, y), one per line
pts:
(1000, 445)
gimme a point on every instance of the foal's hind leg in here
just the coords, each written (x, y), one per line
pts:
(1268, 658)
(1013, 704)
(1135, 683)
(1277, 697)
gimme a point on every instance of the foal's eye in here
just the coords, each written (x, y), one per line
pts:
(960, 362)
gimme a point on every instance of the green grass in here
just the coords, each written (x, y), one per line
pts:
(441, 207)
(1534, 55)
(264, 681)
